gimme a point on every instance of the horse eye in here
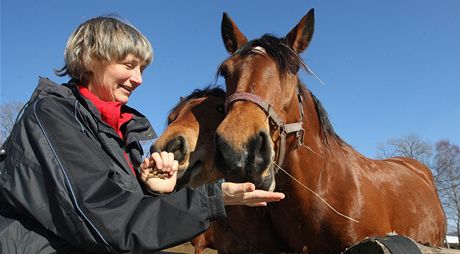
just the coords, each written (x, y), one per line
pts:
(221, 109)
(171, 118)
(294, 68)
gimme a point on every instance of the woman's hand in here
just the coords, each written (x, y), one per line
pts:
(246, 194)
(159, 172)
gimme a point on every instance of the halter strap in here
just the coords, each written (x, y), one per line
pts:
(283, 128)
(242, 96)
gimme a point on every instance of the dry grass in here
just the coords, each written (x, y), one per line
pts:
(187, 248)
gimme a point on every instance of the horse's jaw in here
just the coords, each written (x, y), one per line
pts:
(192, 167)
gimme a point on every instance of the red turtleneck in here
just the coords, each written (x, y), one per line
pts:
(111, 113)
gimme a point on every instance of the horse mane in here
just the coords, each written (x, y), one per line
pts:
(199, 93)
(326, 126)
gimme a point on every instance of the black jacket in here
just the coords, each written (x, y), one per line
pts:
(66, 185)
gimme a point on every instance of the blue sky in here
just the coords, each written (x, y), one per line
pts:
(391, 68)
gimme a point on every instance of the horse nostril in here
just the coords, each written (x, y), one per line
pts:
(226, 158)
(178, 146)
(261, 148)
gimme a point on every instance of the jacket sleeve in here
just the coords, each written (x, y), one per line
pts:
(80, 179)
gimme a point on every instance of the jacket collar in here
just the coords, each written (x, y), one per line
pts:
(138, 128)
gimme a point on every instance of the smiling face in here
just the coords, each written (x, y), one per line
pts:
(116, 81)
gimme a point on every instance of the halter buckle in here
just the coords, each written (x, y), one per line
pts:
(299, 136)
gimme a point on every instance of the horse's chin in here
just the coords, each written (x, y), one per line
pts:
(267, 182)
(193, 165)
(185, 177)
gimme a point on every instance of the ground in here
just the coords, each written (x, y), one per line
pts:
(187, 248)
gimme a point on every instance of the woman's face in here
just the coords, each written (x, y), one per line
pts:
(116, 81)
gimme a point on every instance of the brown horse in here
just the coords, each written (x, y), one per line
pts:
(190, 136)
(277, 135)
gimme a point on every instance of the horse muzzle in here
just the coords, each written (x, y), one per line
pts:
(252, 162)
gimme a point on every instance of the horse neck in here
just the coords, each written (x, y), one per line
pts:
(314, 135)
(320, 144)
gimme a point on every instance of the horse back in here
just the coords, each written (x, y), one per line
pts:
(410, 197)
(414, 166)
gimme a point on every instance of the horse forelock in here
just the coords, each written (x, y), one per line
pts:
(200, 93)
(287, 60)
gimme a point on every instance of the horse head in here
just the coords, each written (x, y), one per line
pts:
(264, 102)
(189, 135)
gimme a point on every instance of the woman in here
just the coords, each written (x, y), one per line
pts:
(72, 175)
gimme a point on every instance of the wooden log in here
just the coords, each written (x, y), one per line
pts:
(394, 244)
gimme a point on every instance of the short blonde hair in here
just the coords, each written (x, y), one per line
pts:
(105, 39)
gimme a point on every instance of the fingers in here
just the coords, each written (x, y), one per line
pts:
(161, 165)
(145, 164)
(258, 204)
(261, 196)
(175, 167)
(246, 194)
(237, 188)
(248, 187)
(164, 161)
(145, 170)
(157, 159)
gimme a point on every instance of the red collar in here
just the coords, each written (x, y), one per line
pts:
(112, 112)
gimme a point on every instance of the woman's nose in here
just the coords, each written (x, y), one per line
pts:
(136, 77)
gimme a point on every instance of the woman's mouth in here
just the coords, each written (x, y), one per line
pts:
(128, 89)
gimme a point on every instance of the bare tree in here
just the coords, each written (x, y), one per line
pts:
(8, 114)
(407, 146)
(447, 174)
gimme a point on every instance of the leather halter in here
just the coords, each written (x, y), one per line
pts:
(283, 128)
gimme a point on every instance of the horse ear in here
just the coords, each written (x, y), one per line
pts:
(232, 36)
(299, 37)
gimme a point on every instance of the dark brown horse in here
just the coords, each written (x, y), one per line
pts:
(277, 135)
(190, 136)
